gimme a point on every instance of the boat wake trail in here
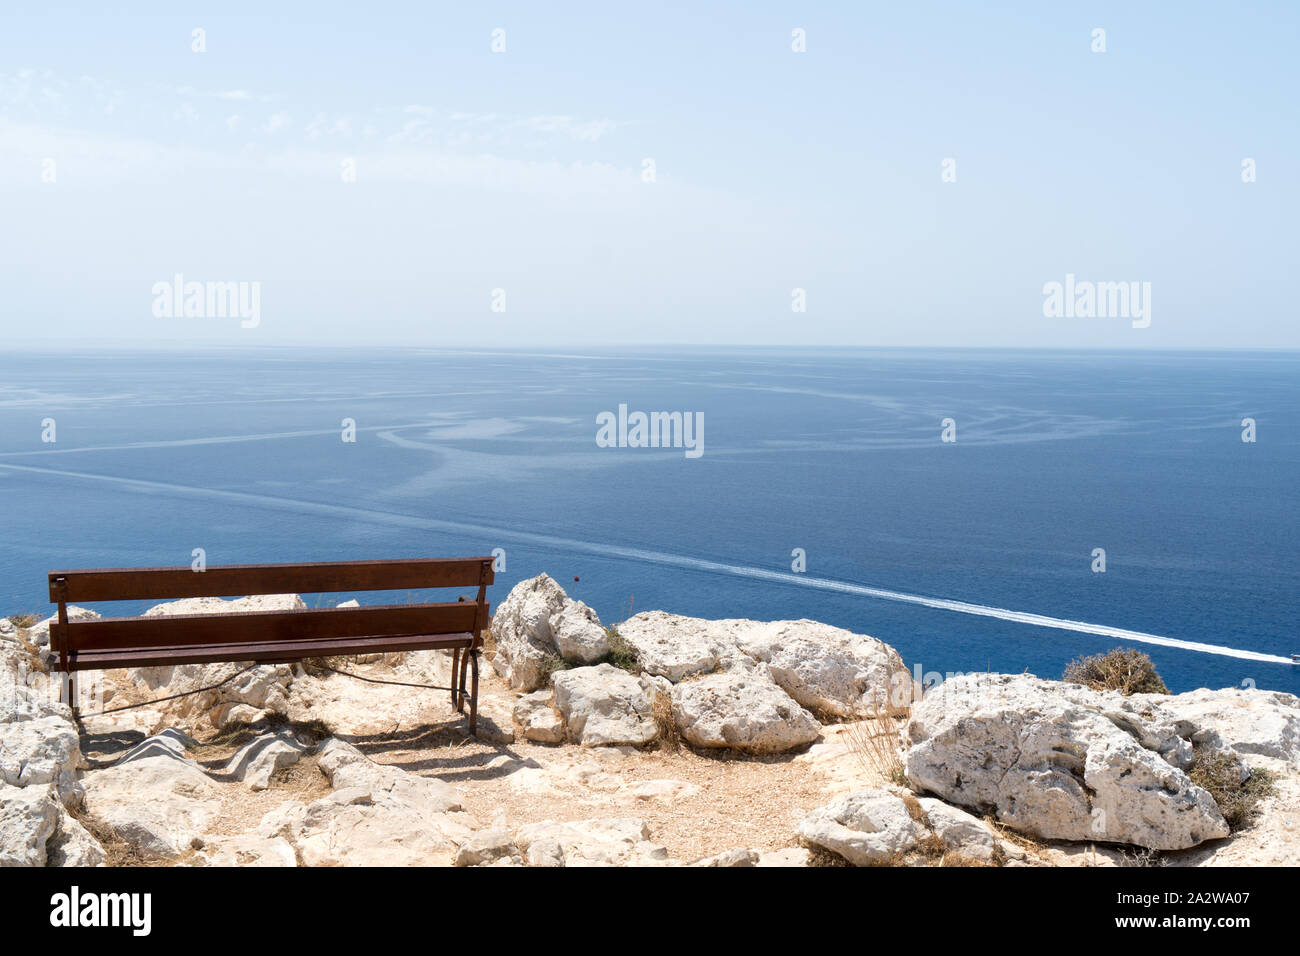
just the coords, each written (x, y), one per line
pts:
(645, 556)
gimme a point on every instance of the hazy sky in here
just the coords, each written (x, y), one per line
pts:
(127, 158)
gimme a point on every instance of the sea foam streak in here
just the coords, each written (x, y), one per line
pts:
(663, 558)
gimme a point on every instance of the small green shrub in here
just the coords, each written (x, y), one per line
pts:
(1123, 669)
(550, 664)
(622, 654)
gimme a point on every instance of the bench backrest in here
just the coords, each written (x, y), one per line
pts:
(132, 584)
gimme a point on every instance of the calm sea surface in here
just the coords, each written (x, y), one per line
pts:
(837, 453)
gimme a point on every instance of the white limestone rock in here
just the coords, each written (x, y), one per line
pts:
(578, 634)
(869, 827)
(376, 816)
(735, 857)
(522, 629)
(257, 761)
(605, 706)
(745, 712)
(28, 818)
(826, 669)
(155, 799)
(792, 856)
(965, 834)
(1262, 727)
(72, 844)
(486, 847)
(1059, 762)
(247, 849)
(536, 718)
(617, 841)
(45, 750)
(829, 669)
(677, 647)
(666, 790)
(537, 624)
(347, 768)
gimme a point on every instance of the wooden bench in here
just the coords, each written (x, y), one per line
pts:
(274, 636)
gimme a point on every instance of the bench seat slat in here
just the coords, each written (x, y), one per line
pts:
(254, 627)
(275, 651)
(237, 580)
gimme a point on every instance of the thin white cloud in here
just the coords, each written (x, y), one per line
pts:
(234, 96)
(102, 159)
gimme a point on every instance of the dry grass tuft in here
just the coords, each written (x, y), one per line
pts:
(118, 851)
(1140, 856)
(915, 810)
(875, 743)
(303, 781)
(32, 654)
(820, 856)
(1236, 788)
(669, 739)
(489, 644)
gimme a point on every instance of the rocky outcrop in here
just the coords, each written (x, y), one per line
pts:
(742, 711)
(1059, 762)
(257, 761)
(578, 634)
(746, 685)
(870, 827)
(40, 757)
(28, 817)
(487, 847)
(830, 670)
(677, 647)
(881, 827)
(247, 849)
(45, 750)
(537, 624)
(619, 841)
(1054, 760)
(72, 844)
(963, 833)
(376, 816)
(155, 798)
(604, 706)
(826, 669)
(1262, 727)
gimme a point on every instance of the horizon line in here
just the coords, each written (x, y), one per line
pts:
(37, 345)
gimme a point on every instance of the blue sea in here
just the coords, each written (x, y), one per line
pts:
(837, 453)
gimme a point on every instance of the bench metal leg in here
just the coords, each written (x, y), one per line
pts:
(455, 678)
(72, 692)
(473, 695)
(459, 681)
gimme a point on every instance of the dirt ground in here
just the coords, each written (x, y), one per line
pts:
(695, 802)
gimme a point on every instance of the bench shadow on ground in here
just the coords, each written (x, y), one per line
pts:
(440, 748)
(105, 749)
